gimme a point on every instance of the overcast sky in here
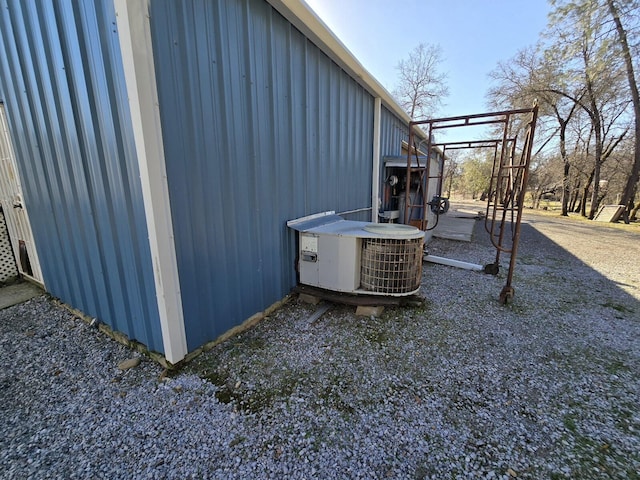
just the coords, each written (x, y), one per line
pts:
(474, 35)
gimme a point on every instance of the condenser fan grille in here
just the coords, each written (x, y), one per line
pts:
(391, 265)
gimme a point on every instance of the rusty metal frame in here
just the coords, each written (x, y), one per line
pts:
(508, 183)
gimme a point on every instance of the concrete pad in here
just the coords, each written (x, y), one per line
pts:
(466, 213)
(366, 311)
(307, 298)
(453, 227)
(18, 293)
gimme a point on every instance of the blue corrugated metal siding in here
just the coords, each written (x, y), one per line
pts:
(62, 82)
(393, 131)
(259, 127)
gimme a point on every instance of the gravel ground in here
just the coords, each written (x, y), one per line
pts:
(547, 387)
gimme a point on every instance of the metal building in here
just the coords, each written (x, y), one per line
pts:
(160, 147)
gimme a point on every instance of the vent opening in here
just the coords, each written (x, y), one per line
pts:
(391, 265)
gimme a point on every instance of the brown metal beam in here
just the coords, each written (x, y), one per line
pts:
(508, 181)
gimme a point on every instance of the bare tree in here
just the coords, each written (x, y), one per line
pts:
(421, 86)
(629, 191)
(545, 178)
(584, 43)
(577, 72)
(451, 170)
(475, 174)
(527, 76)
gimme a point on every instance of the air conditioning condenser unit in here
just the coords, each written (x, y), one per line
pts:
(359, 257)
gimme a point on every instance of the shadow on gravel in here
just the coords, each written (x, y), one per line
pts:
(551, 270)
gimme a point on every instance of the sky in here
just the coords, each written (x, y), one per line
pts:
(474, 35)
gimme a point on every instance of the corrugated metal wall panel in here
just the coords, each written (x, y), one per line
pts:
(259, 127)
(62, 82)
(393, 131)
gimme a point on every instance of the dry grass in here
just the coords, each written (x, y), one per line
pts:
(553, 209)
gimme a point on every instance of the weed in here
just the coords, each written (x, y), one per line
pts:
(236, 441)
(617, 307)
(615, 367)
(218, 378)
(569, 423)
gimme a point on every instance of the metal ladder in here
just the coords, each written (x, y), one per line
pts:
(424, 179)
(506, 200)
(510, 171)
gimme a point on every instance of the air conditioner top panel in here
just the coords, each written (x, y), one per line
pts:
(304, 224)
(348, 228)
(393, 229)
(336, 225)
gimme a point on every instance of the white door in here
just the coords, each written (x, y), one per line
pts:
(15, 213)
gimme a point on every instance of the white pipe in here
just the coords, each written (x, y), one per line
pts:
(357, 210)
(454, 263)
(375, 185)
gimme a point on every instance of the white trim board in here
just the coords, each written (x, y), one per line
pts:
(134, 31)
(375, 185)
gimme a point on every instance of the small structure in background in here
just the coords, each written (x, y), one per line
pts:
(609, 213)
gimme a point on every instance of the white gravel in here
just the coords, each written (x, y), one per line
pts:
(547, 387)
